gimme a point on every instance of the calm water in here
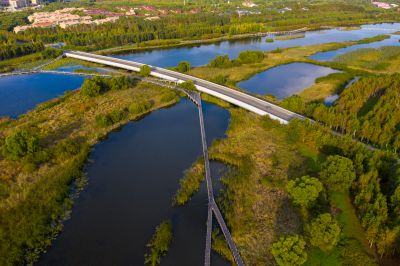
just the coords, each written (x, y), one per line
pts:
(202, 54)
(76, 67)
(18, 94)
(330, 55)
(330, 100)
(285, 80)
(132, 180)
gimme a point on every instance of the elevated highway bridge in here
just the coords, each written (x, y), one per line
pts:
(227, 94)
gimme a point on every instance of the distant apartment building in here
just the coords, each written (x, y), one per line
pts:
(4, 3)
(382, 5)
(15, 4)
(249, 4)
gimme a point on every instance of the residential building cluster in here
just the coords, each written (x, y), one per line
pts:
(16, 4)
(384, 5)
(249, 4)
(68, 17)
(65, 18)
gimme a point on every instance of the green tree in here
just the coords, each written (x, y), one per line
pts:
(386, 242)
(91, 88)
(183, 66)
(145, 71)
(248, 57)
(119, 83)
(20, 144)
(188, 85)
(324, 232)
(395, 202)
(338, 173)
(305, 190)
(220, 61)
(290, 251)
(51, 53)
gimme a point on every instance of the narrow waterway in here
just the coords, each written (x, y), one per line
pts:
(331, 55)
(285, 80)
(133, 176)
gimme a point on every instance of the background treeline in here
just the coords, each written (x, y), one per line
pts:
(222, 21)
(14, 50)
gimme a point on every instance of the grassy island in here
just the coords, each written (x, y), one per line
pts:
(159, 244)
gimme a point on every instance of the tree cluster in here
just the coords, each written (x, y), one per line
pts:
(368, 110)
(245, 57)
(95, 86)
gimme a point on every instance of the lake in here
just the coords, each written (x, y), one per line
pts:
(285, 80)
(19, 94)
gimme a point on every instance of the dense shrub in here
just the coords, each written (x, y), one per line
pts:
(145, 71)
(65, 149)
(221, 61)
(248, 57)
(140, 107)
(183, 66)
(95, 86)
(91, 88)
(188, 85)
(111, 118)
(49, 53)
(20, 144)
(118, 83)
(168, 96)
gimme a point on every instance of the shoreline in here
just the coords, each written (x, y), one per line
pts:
(188, 43)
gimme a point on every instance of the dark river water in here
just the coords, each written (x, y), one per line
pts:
(132, 180)
(285, 80)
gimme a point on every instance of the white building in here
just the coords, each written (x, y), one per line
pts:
(15, 4)
(248, 4)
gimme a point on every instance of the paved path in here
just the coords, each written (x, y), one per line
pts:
(230, 95)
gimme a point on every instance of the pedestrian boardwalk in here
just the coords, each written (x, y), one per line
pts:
(212, 205)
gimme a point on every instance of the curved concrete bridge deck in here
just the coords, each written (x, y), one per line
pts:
(232, 96)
